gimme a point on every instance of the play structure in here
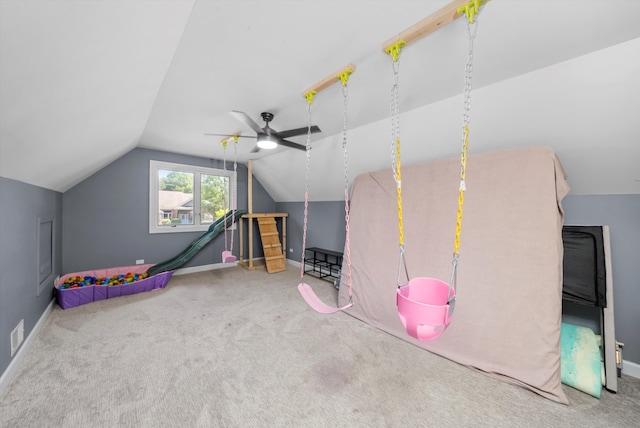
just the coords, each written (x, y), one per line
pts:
(425, 304)
(79, 288)
(507, 292)
(274, 251)
(305, 289)
(192, 249)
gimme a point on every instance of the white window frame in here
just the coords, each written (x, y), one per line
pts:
(154, 188)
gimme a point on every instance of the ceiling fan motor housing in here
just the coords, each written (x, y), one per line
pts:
(267, 117)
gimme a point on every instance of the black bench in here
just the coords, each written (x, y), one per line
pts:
(325, 264)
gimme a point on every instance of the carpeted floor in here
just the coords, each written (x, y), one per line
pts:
(237, 348)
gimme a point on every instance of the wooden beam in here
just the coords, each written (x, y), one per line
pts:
(437, 20)
(230, 137)
(250, 189)
(329, 80)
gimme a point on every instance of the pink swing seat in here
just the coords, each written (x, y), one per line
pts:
(425, 307)
(318, 305)
(228, 257)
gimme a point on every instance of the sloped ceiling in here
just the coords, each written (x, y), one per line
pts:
(82, 83)
(78, 81)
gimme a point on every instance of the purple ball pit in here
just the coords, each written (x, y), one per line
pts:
(73, 297)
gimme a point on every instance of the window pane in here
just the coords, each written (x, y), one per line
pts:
(175, 197)
(214, 200)
(187, 198)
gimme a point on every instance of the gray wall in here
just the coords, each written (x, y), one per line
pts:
(22, 205)
(325, 226)
(106, 217)
(622, 214)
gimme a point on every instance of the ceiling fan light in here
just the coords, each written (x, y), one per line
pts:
(267, 142)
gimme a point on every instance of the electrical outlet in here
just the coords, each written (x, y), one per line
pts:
(140, 261)
(17, 337)
(291, 250)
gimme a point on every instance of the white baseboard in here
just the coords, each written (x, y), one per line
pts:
(294, 263)
(204, 268)
(631, 369)
(11, 370)
(214, 266)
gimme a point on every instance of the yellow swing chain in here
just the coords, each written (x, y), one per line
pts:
(463, 176)
(470, 10)
(394, 51)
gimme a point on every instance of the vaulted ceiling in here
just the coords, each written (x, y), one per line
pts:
(82, 83)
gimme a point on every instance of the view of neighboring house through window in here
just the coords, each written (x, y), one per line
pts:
(184, 198)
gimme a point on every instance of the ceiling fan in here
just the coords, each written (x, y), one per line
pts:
(268, 138)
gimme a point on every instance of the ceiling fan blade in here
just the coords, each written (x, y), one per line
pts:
(293, 145)
(242, 117)
(298, 131)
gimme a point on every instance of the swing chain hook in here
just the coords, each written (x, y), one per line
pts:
(395, 49)
(470, 10)
(309, 96)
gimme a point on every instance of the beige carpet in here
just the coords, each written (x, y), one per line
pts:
(233, 348)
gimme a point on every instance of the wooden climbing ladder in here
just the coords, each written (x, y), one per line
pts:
(271, 246)
(274, 259)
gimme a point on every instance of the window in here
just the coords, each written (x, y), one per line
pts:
(186, 198)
